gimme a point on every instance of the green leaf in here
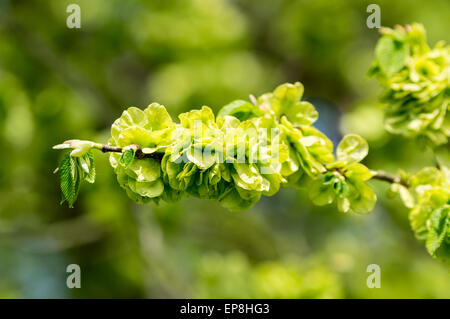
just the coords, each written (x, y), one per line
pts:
(240, 109)
(147, 189)
(247, 176)
(340, 188)
(283, 98)
(133, 116)
(135, 135)
(144, 128)
(70, 179)
(438, 226)
(391, 55)
(157, 117)
(352, 148)
(144, 170)
(287, 95)
(357, 171)
(426, 176)
(90, 176)
(232, 200)
(84, 163)
(362, 198)
(205, 115)
(301, 113)
(127, 157)
(320, 193)
(200, 157)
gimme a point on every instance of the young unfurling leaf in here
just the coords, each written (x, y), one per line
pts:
(79, 147)
(70, 179)
(242, 110)
(89, 176)
(127, 157)
(352, 148)
(72, 170)
(438, 229)
(391, 54)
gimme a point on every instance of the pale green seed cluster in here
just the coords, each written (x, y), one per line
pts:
(416, 79)
(345, 182)
(249, 150)
(428, 196)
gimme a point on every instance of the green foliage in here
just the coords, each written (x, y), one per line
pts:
(353, 148)
(72, 171)
(70, 180)
(242, 110)
(391, 55)
(285, 100)
(346, 179)
(80, 148)
(127, 157)
(88, 166)
(213, 52)
(229, 160)
(416, 80)
(246, 152)
(429, 200)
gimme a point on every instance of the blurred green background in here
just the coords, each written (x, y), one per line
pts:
(58, 83)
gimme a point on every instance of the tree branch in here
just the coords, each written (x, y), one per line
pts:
(391, 178)
(107, 148)
(139, 154)
(380, 175)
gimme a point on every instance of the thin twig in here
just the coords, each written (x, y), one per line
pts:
(379, 175)
(139, 154)
(391, 178)
(107, 148)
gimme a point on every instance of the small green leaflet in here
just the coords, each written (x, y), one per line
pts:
(437, 229)
(240, 109)
(89, 176)
(72, 170)
(391, 55)
(70, 179)
(127, 157)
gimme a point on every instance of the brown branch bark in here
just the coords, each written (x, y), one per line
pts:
(139, 154)
(391, 178)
